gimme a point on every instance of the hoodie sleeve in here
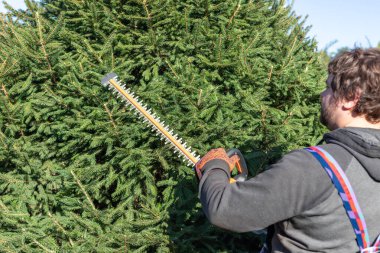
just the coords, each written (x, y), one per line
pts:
(291, 186)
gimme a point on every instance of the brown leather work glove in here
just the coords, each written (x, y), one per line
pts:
(212, 156)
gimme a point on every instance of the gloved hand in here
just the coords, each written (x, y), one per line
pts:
(212, 156)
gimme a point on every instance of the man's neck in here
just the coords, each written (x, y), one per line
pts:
(361, 122)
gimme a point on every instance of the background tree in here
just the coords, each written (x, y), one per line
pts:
(81, 173)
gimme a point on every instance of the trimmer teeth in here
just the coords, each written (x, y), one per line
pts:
(111, 81)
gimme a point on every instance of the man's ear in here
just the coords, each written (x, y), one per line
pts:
(349, 105)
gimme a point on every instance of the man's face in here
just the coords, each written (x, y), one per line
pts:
(329, 107)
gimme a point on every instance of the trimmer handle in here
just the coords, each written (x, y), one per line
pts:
(240, 165)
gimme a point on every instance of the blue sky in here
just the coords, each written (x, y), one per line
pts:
(18, 4)
(349, 22)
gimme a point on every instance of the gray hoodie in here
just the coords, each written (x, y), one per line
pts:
(298, 197)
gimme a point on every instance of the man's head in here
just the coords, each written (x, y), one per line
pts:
(352, 95)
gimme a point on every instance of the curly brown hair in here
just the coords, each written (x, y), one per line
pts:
(356, 74)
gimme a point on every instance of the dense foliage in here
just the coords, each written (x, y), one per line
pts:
(80, 173)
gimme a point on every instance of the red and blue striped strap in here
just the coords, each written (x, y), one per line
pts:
(348, 197)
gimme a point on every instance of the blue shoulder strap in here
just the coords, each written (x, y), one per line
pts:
(348, 197)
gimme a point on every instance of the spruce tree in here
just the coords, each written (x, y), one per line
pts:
(80, 173)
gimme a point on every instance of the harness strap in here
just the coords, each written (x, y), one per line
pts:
(348, 197)
(375, 248)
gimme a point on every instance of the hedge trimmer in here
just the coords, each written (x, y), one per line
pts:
(112, 82)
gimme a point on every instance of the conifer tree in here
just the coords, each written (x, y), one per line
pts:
(80, 173)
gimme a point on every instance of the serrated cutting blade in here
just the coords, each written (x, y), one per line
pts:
(112, 82)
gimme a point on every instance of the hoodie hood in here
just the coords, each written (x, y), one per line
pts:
(362, 143)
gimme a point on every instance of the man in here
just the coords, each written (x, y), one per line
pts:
(296, 194)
